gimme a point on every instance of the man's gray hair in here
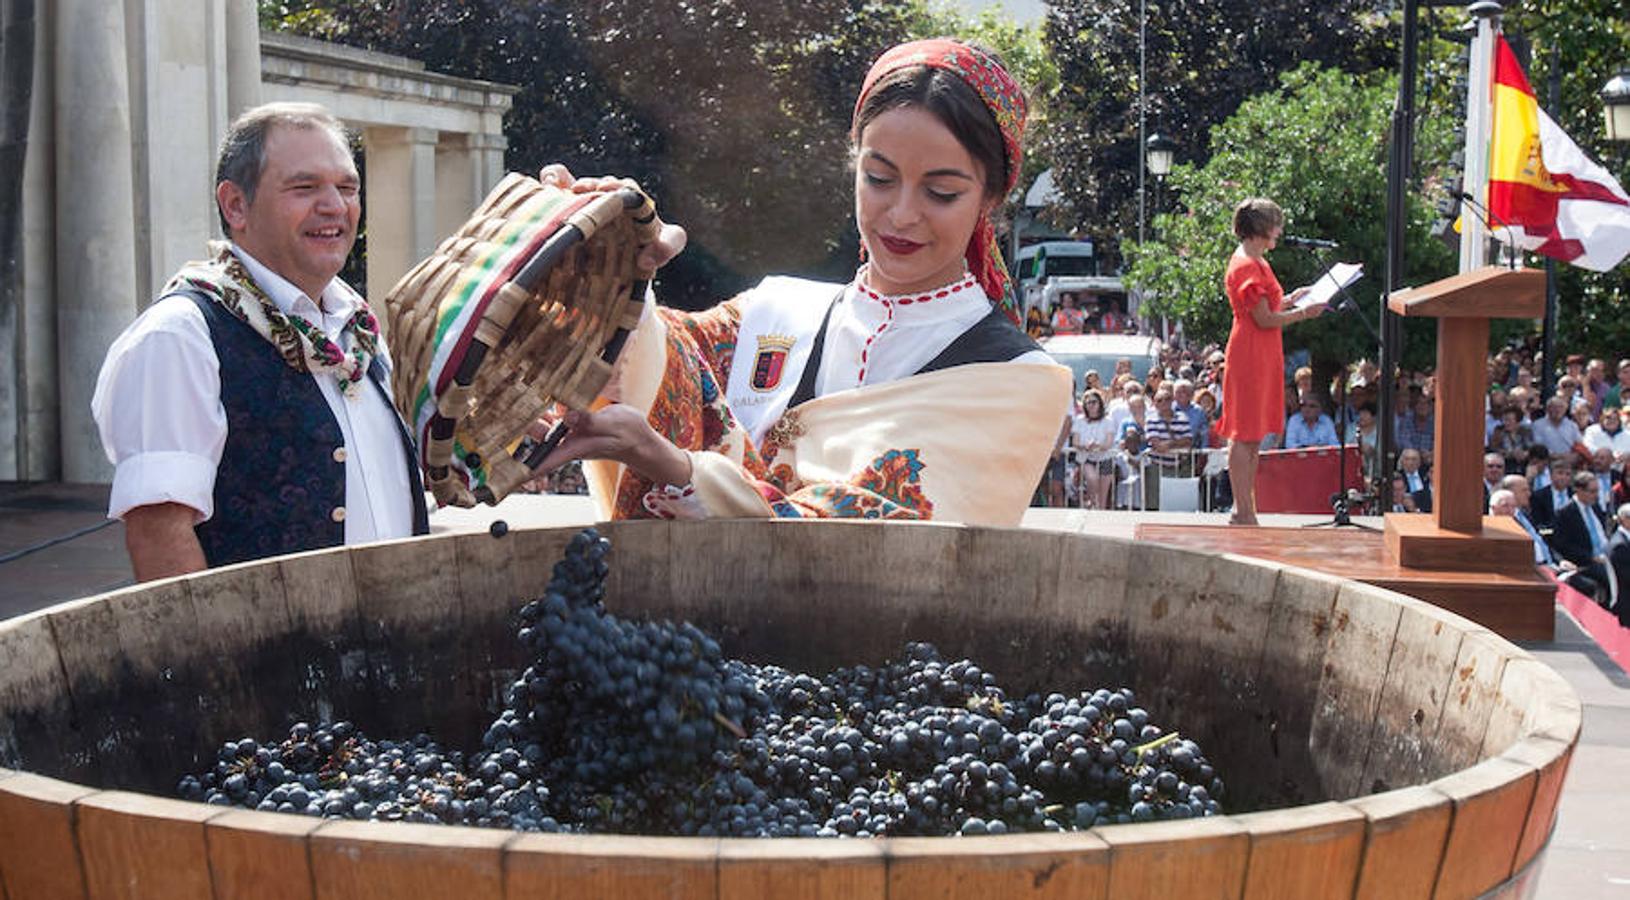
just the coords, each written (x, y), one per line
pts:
(1501, 496)
(243, 151)
(1624, 510)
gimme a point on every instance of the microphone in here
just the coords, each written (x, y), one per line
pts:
(1485, 214)
(1307, 243)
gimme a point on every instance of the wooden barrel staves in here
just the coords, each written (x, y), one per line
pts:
(1375, 746)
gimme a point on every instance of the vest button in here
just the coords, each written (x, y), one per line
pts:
(339, 454)
(338, 514)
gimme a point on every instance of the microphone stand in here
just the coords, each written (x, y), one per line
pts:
(1510, 242)
(1345, 302)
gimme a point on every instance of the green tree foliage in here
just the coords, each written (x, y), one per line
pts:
(1317, 146)
(1203, 58)
(734, 114)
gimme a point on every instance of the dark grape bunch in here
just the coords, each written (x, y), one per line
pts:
(646, 727)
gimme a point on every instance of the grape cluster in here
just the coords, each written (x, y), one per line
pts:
(646, 727)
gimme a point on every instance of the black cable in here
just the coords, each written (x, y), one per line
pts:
(15, 555)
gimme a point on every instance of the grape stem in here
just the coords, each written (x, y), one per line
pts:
(1156, 744)
(730, 726)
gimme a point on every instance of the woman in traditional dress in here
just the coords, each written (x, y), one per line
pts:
(910, 392)
(1254, 389)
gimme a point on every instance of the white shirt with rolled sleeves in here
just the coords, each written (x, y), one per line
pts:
(158, 408)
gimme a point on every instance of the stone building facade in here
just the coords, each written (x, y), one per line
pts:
(129, 101)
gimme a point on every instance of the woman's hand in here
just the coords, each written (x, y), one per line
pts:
(670, 240)
(1297, 294)
(622, 434)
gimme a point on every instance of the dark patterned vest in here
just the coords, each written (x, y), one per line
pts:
(278, 484)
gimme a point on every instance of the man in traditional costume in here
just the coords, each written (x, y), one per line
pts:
(246, 410)
(909, 393)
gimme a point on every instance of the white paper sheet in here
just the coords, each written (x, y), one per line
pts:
(1324, 290)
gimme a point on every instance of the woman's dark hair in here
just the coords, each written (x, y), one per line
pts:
(1367, 407)
(1256, 218)
(1094, 395)
(954, 103)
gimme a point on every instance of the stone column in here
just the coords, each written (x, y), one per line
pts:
(242, 57)
(399, 200)
(39, 443)
(489, 160)
(457, 185)
(95, 236)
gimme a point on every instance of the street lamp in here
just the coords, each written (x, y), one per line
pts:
(1159, 151)
(1616, 106)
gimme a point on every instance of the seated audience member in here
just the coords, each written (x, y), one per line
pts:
(1601, 465)
(1618, 561)
(1415, 424)
(1581, 529)
(1609, 434)
(1538, 466)
(1570, 389)
(1557, 492)
(1415, 480)
(1365, 435)
(1311, 427)
(1556, 431)
(1512, 439)
(1493, 471)
(1516, 488)
(1402, 500)
(1619, 394)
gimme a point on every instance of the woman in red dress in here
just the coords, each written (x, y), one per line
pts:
(1254, 385)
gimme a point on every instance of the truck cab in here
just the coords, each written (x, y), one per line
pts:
(1039, 263)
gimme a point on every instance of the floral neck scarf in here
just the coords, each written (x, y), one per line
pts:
(1005, 100)
(224, 279)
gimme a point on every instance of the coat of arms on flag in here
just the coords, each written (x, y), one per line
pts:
(771, 361)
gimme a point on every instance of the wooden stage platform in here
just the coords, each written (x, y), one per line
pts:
(1515, 605)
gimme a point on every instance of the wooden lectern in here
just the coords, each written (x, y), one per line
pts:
(1457, 535)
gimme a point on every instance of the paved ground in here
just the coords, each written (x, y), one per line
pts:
(55, 545)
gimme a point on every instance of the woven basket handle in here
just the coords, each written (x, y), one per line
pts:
(644, 214)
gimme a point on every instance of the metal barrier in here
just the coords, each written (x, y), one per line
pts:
(1140, 483)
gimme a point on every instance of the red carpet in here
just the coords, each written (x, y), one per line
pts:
(1602, 626)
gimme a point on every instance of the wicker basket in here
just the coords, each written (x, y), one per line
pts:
(524, 307)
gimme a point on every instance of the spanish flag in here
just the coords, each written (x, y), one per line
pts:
(1556, 200)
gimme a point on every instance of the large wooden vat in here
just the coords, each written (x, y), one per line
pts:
(1375, 746)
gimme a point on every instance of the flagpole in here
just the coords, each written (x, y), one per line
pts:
(1548, 327)
(1400, 152)
(1479, 103)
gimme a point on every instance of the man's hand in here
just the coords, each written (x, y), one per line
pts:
(161, 542)
(670, 240)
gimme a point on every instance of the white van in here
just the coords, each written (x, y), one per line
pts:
(1039, 262)
(1100, 352)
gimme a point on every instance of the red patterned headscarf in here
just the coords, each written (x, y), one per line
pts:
(1007, 107)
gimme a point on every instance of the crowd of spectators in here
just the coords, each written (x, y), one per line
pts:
(1560, 465)
(1126, 427)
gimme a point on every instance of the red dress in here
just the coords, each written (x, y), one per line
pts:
(1254, 380)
